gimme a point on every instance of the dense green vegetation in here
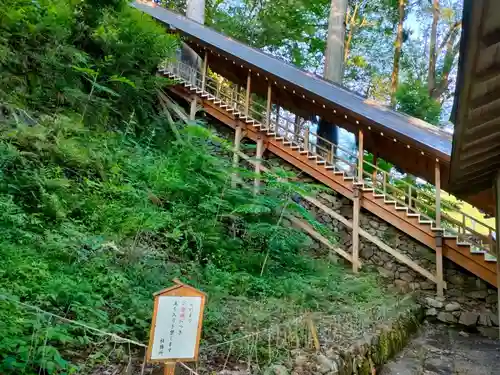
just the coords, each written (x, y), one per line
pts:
(101, 205)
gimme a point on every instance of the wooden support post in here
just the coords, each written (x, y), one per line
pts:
(361, 153)
(277, 117)
(355, 229)
(235, 102)
(497, 242)
(268, 106)
(384, 183)
(236, 155)
(169, 368)
(374, 173)
(329, 156)
(306, 138)
(439, 264)
(438, 193)
(247, 97)
(204, 73)
(258, 162)
(192, 109)
(217, 92)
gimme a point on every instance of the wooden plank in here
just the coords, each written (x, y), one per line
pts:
(492, 38)
(360, 155)
(438, 194)
(497, 252)
(439, 265)
(355, 231)
(268, 106)
(247, 97)
(306, 138)
(314, 234)
(258, 163)
(402, 258)
(439, 271)
(236, 155)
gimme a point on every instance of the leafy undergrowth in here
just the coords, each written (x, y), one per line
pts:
(100, 206)
(94, 222)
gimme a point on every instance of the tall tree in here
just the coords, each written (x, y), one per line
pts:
(398, 45)
(195, 10)
(334, 59)
(334, 53)
(442, 57)
(432, 46)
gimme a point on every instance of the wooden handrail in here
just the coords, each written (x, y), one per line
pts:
(326, 148)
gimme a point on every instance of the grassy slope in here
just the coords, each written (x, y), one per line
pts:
(100, 207)
(95, 249)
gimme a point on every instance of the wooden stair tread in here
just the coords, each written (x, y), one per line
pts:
(345, 183)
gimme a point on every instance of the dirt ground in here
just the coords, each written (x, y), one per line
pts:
(442, 350)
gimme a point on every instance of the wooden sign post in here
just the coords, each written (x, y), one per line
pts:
(176, 326)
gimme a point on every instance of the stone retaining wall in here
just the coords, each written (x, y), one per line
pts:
(470, 301)
(473, 301)
(364, 357)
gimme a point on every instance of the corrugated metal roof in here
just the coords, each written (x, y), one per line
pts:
(425, 136)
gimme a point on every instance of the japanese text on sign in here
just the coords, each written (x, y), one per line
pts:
(176, 329)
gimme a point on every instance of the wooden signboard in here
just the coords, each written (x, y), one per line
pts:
(176, 327)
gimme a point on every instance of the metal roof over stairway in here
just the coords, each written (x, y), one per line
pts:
(234, 96)
(411, 144)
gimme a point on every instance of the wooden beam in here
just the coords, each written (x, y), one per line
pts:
(492, 38)
(375, 240)
(480, 141)
(439, 264)
(268, 106)
(478, 151)
(485, 162)
(485, 99)
(374, 173)
(258, 162)
(438, 193)
(236, 155)
(492, 156)
(497, 252)
(488, 73)
(192, 109)
(314, 234)
(355, 230)
(484, 120)
(361, 153)
(247, 98)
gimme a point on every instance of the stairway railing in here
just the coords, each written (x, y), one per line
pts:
(415, 199)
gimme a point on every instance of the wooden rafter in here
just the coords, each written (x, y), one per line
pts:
(492, 38)
(488, 73)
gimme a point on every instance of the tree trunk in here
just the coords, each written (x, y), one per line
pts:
(334, 59)
(452, 49)
(352, 28)
(431, 75)
(397, 52)
(334, 67)
(195, 10)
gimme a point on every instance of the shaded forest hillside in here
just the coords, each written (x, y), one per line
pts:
(101, 205)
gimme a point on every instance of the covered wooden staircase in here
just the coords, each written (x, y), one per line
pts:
(265, 99)
(338, 169)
